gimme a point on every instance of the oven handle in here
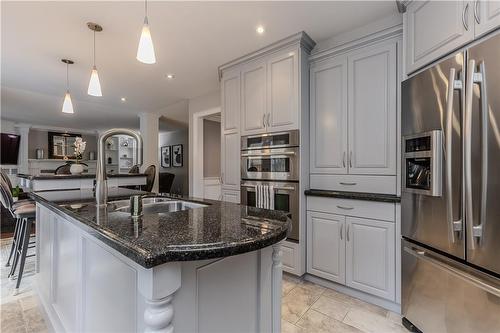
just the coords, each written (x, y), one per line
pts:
(284, 188)
(268, 154)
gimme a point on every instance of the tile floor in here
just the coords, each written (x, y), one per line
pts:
(306, 307)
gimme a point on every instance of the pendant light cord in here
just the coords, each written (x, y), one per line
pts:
(146, 8)
(94, 48)
(67, 77)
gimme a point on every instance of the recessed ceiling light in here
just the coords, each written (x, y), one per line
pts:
(260, 30)
(123, 99)
(170, 76)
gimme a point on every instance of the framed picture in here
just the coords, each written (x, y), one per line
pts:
(177, 155)
(166, 159)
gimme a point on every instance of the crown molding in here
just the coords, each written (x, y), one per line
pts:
(54, 128)
(369, 39)
(301, 39)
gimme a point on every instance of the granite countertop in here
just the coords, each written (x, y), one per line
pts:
(85, 175)
(354, 195)
(220, 229)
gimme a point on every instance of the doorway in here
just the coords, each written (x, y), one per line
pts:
(206, 171)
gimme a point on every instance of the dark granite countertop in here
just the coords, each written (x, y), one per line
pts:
(85, 175)
(219, 230)
(354, 195)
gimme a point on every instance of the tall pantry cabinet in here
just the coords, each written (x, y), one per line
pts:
(267, 91)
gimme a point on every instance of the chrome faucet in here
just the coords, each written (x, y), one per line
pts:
(101, 187)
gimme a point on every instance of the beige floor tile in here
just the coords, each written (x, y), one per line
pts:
(287, 286)
(331, 307)
(371, 322)
(28, 302)
(287, 327)
(34, 320)
(296, 303)
(354, 302)
(314, 321)
(394, 317)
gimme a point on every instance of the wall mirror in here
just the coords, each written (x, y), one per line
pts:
(62, 145)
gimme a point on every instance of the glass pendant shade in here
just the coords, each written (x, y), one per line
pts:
(67, 105)
(94, 84)
(146, 50)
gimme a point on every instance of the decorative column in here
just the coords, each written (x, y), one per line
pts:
(149, 126)
(22, 161)
(277, 275)
(158, 285)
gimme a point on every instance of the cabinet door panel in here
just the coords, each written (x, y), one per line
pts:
(282, 83)
(329, 117)
(370, 256)
(434, 28)
(230, 155)
(372, 111)
(231, 101)
(253, 108)
(488, 16)
(326, 246)
(231, 196)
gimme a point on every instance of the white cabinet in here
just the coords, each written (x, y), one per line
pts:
(353, 242)
(487, 16)
(434, 28)
(371, 257)
(372, 111)
(269, 94)
(326, 246)
(283, 98)
(230, 166)
(253, 94)
(231, 196)
(353, 113)
(328, 99)
(230, 89)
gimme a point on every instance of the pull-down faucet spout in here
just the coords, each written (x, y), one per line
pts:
(101, 189)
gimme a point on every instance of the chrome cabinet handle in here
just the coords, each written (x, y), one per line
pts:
(268, 120)
(476, 12)
(347, 233)
(344, 207)
(350, 159)
(348, 184)
(268, 154)
(222, 177)
(343, 159)
(341, 231)
(264, 120)
(467, 151)
(452, 86)
(464, 17)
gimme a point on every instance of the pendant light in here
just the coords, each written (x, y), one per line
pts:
(94, 84)
(146, 50)
(67, 104)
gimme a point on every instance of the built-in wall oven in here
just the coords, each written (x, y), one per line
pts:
(270, 163)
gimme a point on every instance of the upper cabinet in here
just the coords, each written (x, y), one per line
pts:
(372, 118)
(328, 113)
(486, 16)
(283, 92)
(270, 93)
(230, 89)
(353, 120)
(433, 29)
(253, 93)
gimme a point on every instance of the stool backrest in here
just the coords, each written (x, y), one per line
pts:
(6, 179)
(63, 170)
(6, 195)
(150, 177)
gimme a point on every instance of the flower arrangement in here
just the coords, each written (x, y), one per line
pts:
(79, 148)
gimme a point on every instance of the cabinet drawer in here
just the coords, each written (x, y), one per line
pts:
(368, 209)
(355, 183)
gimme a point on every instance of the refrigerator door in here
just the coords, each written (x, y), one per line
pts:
(482, 154)
(442, 295)
(433, 100)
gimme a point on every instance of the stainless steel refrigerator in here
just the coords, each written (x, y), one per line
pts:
(450, 205)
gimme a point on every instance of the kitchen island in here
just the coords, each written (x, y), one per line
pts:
(47, 182)
(185, 265)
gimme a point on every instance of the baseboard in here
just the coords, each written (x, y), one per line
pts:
(391, 306)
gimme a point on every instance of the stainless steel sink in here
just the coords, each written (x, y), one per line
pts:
(155, 205)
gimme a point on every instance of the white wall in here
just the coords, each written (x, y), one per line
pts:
(181, 180)
(211, 148)
(197, 104)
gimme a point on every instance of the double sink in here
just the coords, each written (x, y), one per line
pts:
(155, 205)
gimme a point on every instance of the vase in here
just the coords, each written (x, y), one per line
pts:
(76, 168)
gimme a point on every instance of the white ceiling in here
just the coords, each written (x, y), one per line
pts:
(191, 39)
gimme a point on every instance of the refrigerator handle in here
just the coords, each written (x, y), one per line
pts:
(453, 85)
(474, 77)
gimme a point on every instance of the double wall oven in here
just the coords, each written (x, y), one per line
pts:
(272, 161)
